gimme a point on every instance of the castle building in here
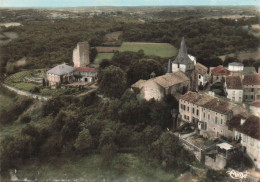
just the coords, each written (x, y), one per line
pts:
(81, 55)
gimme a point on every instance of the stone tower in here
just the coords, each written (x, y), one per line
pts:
(81, 55)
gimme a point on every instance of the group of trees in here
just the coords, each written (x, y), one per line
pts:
(73, 126)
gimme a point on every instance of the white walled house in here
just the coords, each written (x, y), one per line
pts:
(235, 67)
(234, 89)
(247, 131)
(202, 74)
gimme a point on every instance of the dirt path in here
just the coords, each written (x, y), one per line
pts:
(92, 87)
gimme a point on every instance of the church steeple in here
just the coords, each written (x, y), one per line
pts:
(182, 57)
(169, 68)
(183, 49)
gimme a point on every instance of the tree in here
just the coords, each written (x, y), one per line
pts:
(112, 81)
(83, 142)
(142, 69)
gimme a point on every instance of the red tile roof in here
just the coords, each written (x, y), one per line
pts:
(219, 70)
(233, 82)
(251, 80)
(86, 69)
(208, 101)
(255, 103)
(251, 127)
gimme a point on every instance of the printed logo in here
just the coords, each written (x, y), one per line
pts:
(237, 175)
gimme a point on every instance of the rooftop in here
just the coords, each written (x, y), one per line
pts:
(208, 101)
(86, 69)
(249, 71)
(201, 69)
(235, 64)
(251, 127)
(255, 103)
(251, 79)
(182, 57)
(219, 70)
(171, 79)
(225, 146)
(234, 82)
(61, 69)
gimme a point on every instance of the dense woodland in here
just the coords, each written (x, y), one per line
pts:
(48, 43)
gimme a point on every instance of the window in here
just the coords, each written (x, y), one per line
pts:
(233, 98)
(252, 97)
(240, 93)
(244, 138)
(188, 108)
(184, 107)
(197, 112)
(221, 121)
(252, 142)
(252, 89)
(208, 116)
(233, 93)
(193, 110)
(204, 115)
(216, 120)
(188, 118)
(199, 76)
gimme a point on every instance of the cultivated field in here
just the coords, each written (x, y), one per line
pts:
(157, 49)
(113, 38)
(102, 56)
(254, 30)
(244, 55)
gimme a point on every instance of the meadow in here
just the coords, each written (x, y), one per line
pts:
(102, 56)
(164, 50)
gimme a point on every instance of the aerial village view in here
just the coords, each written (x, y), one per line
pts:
(131, 91)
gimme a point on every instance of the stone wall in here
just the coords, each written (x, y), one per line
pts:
(25, 93)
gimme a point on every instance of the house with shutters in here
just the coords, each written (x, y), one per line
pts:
(251, 87)
(247, 131)
(209, 113)
(233, 88)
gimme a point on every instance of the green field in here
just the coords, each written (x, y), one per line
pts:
(124, 167)
(157, 49)
(102, 56)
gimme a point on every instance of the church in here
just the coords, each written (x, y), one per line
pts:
(187, 64)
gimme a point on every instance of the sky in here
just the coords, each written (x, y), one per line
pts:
(76, 3)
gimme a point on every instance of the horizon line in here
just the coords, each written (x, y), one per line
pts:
(38, 7)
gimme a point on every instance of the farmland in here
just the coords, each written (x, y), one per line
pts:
(102, 56)
(244, 55)
(157, 49)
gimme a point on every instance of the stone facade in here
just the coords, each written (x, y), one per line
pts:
(81, 55)
(207, 112)
(85, 74)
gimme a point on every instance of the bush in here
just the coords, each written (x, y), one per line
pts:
(25, 119)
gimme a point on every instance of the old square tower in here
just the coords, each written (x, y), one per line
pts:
(81, 55)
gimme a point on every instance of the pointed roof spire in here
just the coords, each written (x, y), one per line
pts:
(182, 57)
(169, 68)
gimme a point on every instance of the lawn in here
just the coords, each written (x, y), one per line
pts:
(102, 56)
(157, 49)
(124, 167)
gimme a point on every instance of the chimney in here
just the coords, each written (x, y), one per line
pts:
(242, 121)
